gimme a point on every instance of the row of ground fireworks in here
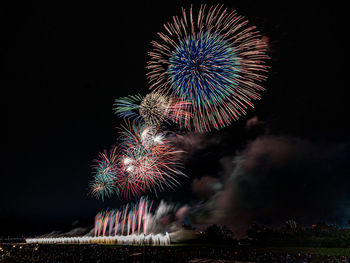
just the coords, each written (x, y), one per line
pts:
(130, 220)
(204, 72)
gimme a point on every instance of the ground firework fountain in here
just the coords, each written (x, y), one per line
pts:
(130, 220)
(151, 239)
(127, 226)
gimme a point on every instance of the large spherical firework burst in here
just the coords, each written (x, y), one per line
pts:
(154, 109)
(214, 60)
(148, 161)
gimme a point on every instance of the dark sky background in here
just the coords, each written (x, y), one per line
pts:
(62, 65)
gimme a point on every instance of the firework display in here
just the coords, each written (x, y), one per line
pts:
(212, 59)
(204, 73)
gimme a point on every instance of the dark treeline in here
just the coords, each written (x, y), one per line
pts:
(290, 234)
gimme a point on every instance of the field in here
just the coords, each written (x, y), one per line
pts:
(173, 253)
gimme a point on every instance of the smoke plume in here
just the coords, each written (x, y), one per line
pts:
(276, 178)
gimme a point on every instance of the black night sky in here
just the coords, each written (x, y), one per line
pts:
(62, 66)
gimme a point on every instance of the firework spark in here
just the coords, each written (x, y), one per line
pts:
(214, 60)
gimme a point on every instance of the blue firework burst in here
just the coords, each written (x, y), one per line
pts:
(201, 68)
(211, 59)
